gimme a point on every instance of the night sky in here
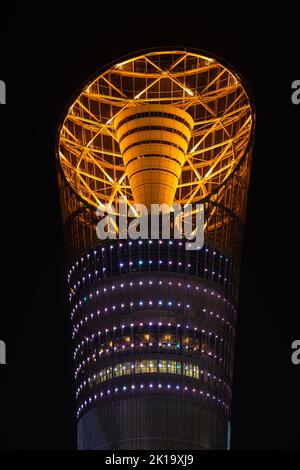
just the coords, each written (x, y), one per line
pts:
(45, 59)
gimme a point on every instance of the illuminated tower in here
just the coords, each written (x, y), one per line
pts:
(154, 323)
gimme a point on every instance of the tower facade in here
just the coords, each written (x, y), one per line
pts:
(153, 322)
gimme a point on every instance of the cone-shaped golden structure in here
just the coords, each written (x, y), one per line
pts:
(153, 140)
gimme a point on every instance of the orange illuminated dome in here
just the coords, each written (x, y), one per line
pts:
(168, 126)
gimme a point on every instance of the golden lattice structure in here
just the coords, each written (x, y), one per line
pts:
(211, 166)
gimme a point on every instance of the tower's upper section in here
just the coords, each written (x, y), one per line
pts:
(165, 126)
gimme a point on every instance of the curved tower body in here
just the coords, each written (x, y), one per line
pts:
(153, 322)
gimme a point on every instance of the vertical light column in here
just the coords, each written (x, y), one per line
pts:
(153, 140)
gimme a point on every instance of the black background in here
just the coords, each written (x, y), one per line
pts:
(46, 55)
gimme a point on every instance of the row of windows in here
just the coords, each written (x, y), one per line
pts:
(115, 339)
(154, 114)
(153, 366)
(223, 360)
(156, 367)
(153, 128)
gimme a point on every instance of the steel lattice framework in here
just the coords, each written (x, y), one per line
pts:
(213, 95)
